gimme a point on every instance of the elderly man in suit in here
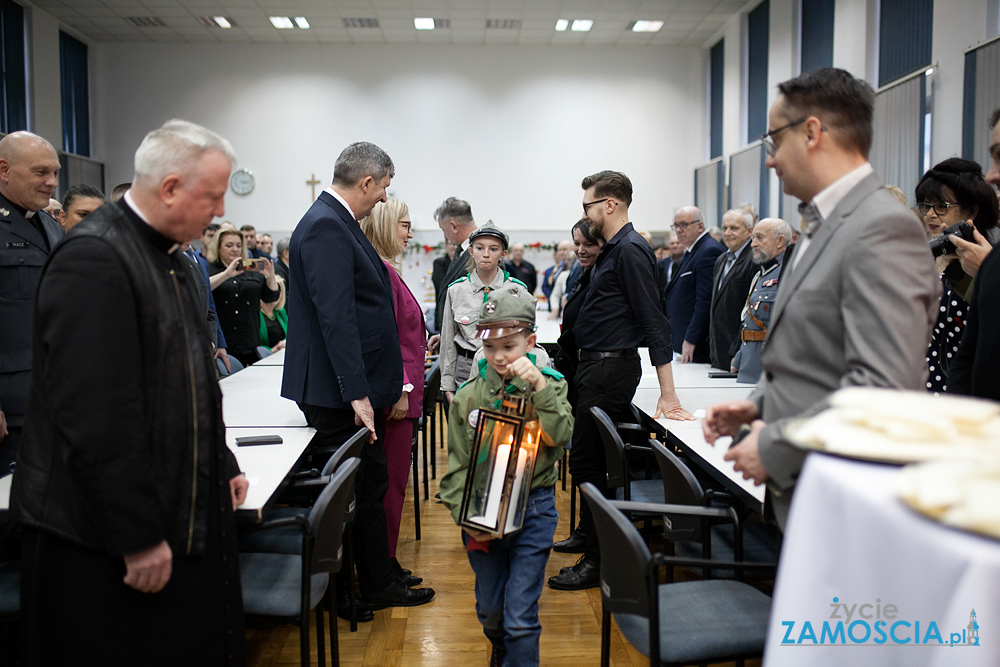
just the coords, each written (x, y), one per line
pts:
(688, 296)
(734, 270)
(858, 297)
(454, 217)
(343, 364)
(29, 174)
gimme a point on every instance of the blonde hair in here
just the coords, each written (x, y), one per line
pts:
(212, 252)
(381, 226)
(280, 303)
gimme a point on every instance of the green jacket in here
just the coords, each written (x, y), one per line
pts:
(282, 317)
(481, 391)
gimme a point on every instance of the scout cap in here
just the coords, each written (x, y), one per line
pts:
(490, 229)
(504, 315)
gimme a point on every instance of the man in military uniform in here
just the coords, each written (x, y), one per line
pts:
(29, 174)
(771, 238)
(465, 296)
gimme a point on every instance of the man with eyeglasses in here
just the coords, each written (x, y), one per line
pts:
(688, 296)
(619, 310)
(859, 294)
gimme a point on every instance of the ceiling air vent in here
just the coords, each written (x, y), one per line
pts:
(145, 22)
(442, 23)
(361, 23)
(503, 24)
(217, 22)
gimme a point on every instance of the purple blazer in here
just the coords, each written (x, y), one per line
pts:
(412, 339)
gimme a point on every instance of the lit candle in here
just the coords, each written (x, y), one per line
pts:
(493, 497)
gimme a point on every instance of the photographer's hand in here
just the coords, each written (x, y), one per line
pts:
(971, 255)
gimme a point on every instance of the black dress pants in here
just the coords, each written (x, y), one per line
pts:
(609, 384)
(371, 536)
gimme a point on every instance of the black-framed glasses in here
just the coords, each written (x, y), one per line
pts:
(681, 226)
(588, 204)
(767, 140)
(941, 207)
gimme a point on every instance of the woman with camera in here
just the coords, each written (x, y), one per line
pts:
(960, 212)
(239, 285)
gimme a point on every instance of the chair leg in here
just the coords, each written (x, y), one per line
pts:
(416, 482)
(334, 644)
(320, 636)
(564, 468)
(605, 636)
(433, 430)
(572, 507)
(349, 564)
(441, 422)
(428, 452)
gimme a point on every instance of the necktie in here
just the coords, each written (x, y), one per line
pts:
(811, 215)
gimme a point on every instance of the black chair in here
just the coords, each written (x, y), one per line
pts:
(616, 453)
(10, 608)
(234, 365)
(691, 622)
(731, 540)
(263, 351)
(432, 387)
(303, 492)
(289, 586)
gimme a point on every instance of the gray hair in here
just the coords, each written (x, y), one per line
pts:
(283, 245)
(779, 227)
(174, 148)
(455, 209)
(359, 160)
(751, 209)
(743, 213)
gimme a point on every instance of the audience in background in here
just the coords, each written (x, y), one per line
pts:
(79, 202)
(207, 235)
(239, 285)
(561, 257)
(281, 263)
(54, 208)
(733, 272)
(666, 267)
(454, 217)
(119, 191)
(250, 242)
(266, 245)
(440, 267)
(389, 230)
(274, 320)
(520, 268)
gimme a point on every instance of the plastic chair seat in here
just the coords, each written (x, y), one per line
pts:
(643, 491)
(272, 584)
(691, 627)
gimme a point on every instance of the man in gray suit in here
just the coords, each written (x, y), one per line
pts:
(858, 297)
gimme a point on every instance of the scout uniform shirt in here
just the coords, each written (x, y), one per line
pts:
(461, 313)
(484, 390)
(756, 317)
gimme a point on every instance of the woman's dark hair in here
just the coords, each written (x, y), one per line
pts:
(585, 228)
(965, 179)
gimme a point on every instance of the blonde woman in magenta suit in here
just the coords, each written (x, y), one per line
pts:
(389, 230)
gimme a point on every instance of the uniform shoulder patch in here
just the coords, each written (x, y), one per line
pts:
(515, 280)
(553, 373)
(462, 279)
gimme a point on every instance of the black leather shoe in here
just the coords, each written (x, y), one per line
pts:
(575, 565)
(583, 575)
(573, 544)
(397, 594)
(363, 611)
(404, 575)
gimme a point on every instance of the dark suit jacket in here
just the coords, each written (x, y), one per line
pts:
(728, 299)
(342, 342)
(23, 252)
(525, 273)
(688, 297)
(976, 369)
(455, 271)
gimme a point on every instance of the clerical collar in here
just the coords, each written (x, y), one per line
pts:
(336, 195)
(142, 216)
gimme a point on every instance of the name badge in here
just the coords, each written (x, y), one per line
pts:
(17, 244)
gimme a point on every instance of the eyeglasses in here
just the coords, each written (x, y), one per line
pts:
(769, 142)
(681, 226)
(941, 207)
(588, 204)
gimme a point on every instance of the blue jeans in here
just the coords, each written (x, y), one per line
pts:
(509, 580)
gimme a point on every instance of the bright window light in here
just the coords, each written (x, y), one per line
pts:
(647, 26)
(222, 22)
(582, 25)
(929, 71)
(302, 22)
(562, 24)
(423, 23)
(282, 22)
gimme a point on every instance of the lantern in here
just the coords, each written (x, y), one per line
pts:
(501, 466)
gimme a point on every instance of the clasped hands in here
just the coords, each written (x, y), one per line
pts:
(725, 419)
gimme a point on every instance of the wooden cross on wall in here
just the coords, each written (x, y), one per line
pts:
(313, 182)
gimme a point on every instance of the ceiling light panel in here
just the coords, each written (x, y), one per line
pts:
(301, 22)
(561, 25)
(423, 23)
(282, 22)
(582, 25)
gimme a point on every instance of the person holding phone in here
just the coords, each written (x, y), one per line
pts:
(239, 285)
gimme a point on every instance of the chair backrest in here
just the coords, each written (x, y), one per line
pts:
(680, 487)
(625, 557)
(326, 518)
(614, 448)
(351, 449)
(263, 351)
(234, 364)
(432, 385)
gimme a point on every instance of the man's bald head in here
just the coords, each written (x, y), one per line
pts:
(29, 170)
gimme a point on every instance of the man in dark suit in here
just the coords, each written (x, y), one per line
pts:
(859, 294)
(518, 268)
(454, 217)
(343, 363)
(29, 170)
(734, 270)
(688, 297)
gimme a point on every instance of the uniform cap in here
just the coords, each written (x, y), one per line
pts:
(504, 315)
(490, 229)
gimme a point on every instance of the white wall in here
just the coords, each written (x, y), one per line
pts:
(511, 129)
(44, 89)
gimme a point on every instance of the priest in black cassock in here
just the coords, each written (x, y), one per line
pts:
(124, 486)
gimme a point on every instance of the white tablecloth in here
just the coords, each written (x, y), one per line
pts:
(849, 538)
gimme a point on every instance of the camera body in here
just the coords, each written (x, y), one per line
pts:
(942, 245)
